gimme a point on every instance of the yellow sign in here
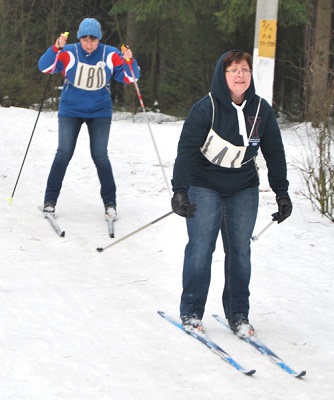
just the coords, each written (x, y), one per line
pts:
(267, 38)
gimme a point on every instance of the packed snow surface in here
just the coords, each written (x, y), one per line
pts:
(78, 324)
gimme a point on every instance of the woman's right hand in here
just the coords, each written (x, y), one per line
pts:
(182, 206)
(61, 41)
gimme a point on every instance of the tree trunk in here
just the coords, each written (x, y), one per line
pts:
(130, 97)
(317, 54)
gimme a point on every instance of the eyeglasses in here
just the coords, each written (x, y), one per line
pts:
(235, 71)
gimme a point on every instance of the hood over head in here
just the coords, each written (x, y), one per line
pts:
(219, 88)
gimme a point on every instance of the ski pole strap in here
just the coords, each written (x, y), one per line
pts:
(57, 55)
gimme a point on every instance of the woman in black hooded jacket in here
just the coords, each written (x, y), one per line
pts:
(215, 184)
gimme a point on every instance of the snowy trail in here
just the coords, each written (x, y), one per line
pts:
(76, 324)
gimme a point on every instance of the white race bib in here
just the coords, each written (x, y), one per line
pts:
(90, 77)
(221, 152)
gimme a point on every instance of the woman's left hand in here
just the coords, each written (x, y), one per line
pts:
(127, 53)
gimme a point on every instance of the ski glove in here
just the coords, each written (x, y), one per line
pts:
(182, 206)
(284, 209)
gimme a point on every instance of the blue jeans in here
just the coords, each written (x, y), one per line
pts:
(69, 128)
(235, 218)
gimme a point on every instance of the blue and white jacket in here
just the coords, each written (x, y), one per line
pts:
(86, 91)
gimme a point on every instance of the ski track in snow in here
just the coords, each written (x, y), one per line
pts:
(76, 324)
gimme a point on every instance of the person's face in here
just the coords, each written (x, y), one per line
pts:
(89, 43)
(238, 78)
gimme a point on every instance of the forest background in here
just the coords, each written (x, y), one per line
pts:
(177, 44)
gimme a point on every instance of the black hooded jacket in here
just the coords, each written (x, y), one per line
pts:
(193, 168)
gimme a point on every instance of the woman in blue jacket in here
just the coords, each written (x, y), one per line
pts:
(88, 67)
(215, 185)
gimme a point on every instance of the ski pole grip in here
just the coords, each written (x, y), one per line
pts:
(123, 50)
(62, 34)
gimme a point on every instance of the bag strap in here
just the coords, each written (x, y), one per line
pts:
(213, 110)
(256, 115)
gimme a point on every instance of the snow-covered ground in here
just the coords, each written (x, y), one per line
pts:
(77, 324)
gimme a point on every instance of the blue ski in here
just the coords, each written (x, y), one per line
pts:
(203, 338)
(264, 350)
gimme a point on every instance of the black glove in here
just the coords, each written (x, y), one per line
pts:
(284, 209)
(182, 206)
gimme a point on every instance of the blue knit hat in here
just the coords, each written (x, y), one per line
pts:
(89, 27)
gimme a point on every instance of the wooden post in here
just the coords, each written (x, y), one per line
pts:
(265, 48)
